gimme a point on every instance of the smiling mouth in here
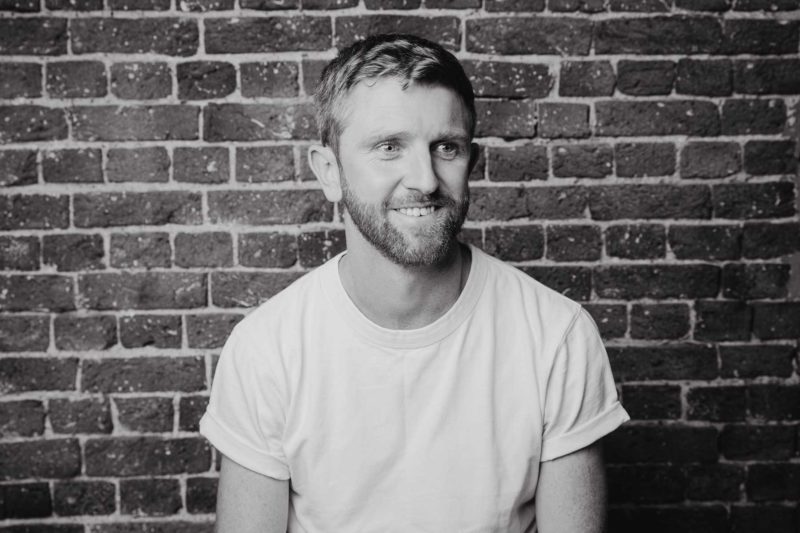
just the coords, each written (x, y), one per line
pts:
(416, 211)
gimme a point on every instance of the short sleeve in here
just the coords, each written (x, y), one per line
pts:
(581, 403)
(245, 417)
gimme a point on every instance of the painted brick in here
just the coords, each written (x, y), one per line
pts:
(18, 167)
(751, 361)
(496, 79)
(201, 165)
(652, 402)
(210, 330)
(766, 482)
(149, 374)
(704, 5)
(264, 164)
(714, 482)
(572, 282)
(586, 78)
(212, 249)
(611, 319)
(677, 361)
(317, 247)
(150, 164)
(714, 159)
(139, 5)
(22, 374)
(717, 404)
(30, 123)
(583, 161)
(24, 333)
(644, 159)
(201, 495)
(74, 5)
(202, 80)
(563, 120)
(767, 76)
(507, 119)
(247, 289)
(135, 250)
(662, 444)
(705, 242)
(515, 243)
(271, 34)
(392, 4)
(645, 484)
(134, 123)
(80, 416)
(636, 241)
(774, 402)
(658, 35)
(776, 320)
(20, 80)
(722, 321)
(158, 331)
(150, 497)
(145, 415)
(76, 79)
(649, 202)
(142, 290)
(253, 122)
(82, 165)
(443, 30)
(704, 77)
(769, 157)
(745, 442)
(268, 5)
(659, 321)
(707, 518)
(775, 518)
(645, 78)
(73, 252)
(522, 35)
(146, 456)
(78, 498)
(24, 418)
(77, 333)
(268, 207)
(507, 203)
(267, 250)
(36, 293)
(33, 36)
(140, 80)
(136, 208)
(766, 5)
(514, 5)
(770, 240)
(646, 6)
(768, 37)
(517, 163)
(585, 6)
(29, 500)
(754, 200)
(755, 281)
(748, 116)
(276, 79)
(19, 253)
(168, 36)
(573, 243)
(191, 410)
(168, 525)
(51, 458)
(668, 117)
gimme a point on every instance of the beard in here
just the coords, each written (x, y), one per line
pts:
(427, 246)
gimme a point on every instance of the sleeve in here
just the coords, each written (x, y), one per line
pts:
(245, 417)
(581, 403)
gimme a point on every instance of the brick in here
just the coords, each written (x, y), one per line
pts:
(586, 78)
(145, 415)
(20, 80)
(268, 207)
(201, 494)
(766, 5)
(74, 5)
(572, 282)
(585, 6)
(270, 4)
(767, 76)
(248, 289)
(150, 497)
(19, 253)
(22, 374)
(704, 5)
(645, 78)
(33, 293)
(704, 77)
(508, 203)
(143, 290)
(72, 252)
(636, 160)
(141, 81)
(191, 409)
(201, 165)
(658, 35)
(24, 333)
(83, 165)
(710, 159)
(755, 281)
(705, 242)
(514, 5)
(515, 243)
(312, 72)
(148, 374)
(748, 116)
(768, 37)
(267, 250)
(656, 118)
(126, 123)
(270, 34)
(636, 241)
(392, 4)
(754, 200)
(137, 208)
(717, 404)
(89, 415)
(51, 458)
(80, 498)
(582, 161)
(76, 79)
(770, 240)
(255, 122)
(30, 123)
(665, 281)
(611, 319)
(714, 482)
(523, 35)
(210, 330)
(745, 442)
(151, 526)
(210, 249)
(202, 80)
(776, 320)
(275, 79)
(661, 444)
(646, 6)
(167, 36)
(645, 484)
(677, 361)
(443, 30)
(517, 163)
(78, 333)
(573, 243)
(652, 402)
(18, 167)
(134, 250)
(751, 361)
(774, 402)
(264, 164)
(24, 418)
(149, 164)
(452, 4)
(659, 321)
(139, 5)
(722, 321)
(649, 202)
(767, 482)
(316, 247)
(38, 36)
(707, 518)
(506, 119)
(146, 456)
(496, 79)
(563, 120)
(774, 518)
(769, 157)
(29, 500)
(158, 331)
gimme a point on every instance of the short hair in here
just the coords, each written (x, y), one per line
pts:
(408, 58)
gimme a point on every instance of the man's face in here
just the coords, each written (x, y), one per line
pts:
(404, 158)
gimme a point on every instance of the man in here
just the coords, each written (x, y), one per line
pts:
(412, 383)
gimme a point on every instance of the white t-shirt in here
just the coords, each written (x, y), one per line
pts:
(436, 429)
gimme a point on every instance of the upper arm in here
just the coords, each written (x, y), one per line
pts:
(248, 502)
(571, 493)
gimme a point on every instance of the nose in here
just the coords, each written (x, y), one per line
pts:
(421, 174)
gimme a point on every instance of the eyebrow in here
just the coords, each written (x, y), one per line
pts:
(455, 135)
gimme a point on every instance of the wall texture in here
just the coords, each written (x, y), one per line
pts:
(638, 155)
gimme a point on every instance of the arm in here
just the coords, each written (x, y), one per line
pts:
(571, 494)
(248, 502)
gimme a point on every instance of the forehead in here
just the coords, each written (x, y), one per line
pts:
(383, 104)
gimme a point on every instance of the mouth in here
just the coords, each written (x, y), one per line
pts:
(416, 211)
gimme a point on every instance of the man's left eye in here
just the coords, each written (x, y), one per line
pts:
(448, 150)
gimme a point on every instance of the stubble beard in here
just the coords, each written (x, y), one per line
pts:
(432, 243)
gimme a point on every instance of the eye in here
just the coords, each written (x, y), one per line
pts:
(448, 150)
(388, 149)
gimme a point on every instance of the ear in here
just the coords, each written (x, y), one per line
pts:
(323, 164)
(474, 155)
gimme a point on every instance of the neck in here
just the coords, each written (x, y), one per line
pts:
(402, 297)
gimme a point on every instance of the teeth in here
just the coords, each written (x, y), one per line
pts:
(416, 211)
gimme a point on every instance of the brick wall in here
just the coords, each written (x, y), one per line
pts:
(638, 155)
